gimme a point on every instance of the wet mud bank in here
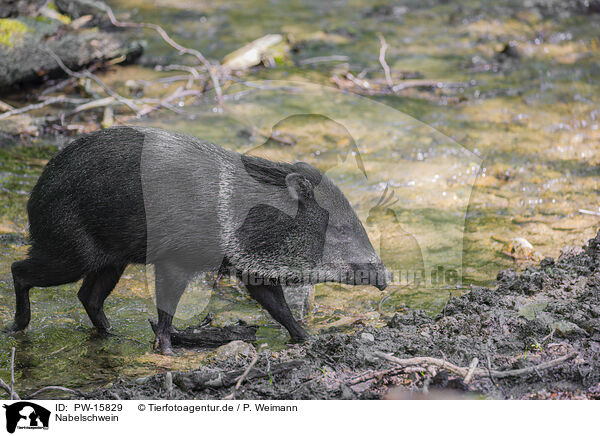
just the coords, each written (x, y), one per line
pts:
(536, 335)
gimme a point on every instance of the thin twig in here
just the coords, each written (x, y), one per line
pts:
(193, 71)
(12, 374)
(31, 107)
(164, 35)
(374, 374)
(382, 61)
(88, 75)
(242, 377)
(321, 59)
(589, 212)
(7, 389)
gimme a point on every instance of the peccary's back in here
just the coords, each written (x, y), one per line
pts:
(126, 193)
(88, 200)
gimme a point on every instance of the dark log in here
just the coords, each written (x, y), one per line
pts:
(25, 57)
(200, 380)
(211, 337)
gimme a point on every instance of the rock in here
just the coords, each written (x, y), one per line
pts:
(79, 8)
(13, 8)
(232, 349)
(252, 54)
(367, 337)
(532, 310)
(521, 248)
(143, 380)
(567, 328)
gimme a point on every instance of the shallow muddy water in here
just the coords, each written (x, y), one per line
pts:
(513, 150)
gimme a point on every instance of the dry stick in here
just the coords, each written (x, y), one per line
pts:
(477, 372)
(32, 107)
(54, 388)
(374, 374)
(405, 84)
(6, 388)
(321, 59)
(169, 384)
(181, 49)
(194, 73)
(12, 373)
(231, 396)
(589, 212)
(107, 101)
(471, 372)
(384, 65)
(179, 93)
(5, 106)
(87, 75)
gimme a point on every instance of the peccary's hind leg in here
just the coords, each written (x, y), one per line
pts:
(42, 272)
(273, 300)
(23, 309)
(94, 290)
(171, 281)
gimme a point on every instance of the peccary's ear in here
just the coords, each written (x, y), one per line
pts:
(299, 186)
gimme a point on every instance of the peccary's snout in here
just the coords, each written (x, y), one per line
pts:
(383, 277)
(373, 273)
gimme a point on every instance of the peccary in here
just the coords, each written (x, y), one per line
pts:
(143, 195)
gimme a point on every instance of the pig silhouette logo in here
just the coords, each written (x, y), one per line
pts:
(26, 415)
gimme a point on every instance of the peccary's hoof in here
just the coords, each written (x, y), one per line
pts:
(299, 339)
(163, 347)
(104, 333)
(14, 327)
(168, 351)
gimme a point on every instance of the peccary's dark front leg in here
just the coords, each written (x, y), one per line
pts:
(272, 299)
(171, 281)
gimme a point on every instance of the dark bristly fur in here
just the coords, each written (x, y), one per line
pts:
(142, 195)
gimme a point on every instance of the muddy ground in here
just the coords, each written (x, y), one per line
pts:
(545, 312)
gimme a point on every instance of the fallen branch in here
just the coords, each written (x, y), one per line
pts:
(375, 374)
(384, 65)
(211, 337)
(200, 380)
(165, 36)
(475, 372)
(471, 371)
(231, 396)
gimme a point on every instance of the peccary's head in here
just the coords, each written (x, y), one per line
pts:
(300, 227)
